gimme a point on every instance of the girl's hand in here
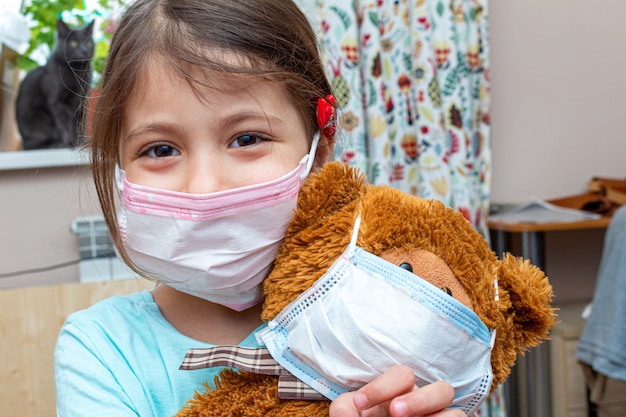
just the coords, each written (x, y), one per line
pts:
(394, 394)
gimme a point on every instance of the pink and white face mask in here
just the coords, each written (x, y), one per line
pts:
(217, 246)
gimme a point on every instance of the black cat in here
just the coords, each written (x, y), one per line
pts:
(49, 102)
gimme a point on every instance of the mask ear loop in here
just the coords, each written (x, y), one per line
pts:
(355, 235)
(327, 125)
(118, 177)
(311, 156)
(496, 298)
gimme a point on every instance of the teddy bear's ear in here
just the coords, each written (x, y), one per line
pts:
(529, 314)
(332, 189)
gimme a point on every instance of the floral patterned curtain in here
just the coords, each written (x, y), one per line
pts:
(411, 78)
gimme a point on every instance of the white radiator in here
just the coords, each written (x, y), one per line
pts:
(98, 261)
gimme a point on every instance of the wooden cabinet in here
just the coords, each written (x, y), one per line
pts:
(569, 392)
(30, 320)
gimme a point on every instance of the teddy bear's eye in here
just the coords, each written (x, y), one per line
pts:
(447, 291)
(407, 266)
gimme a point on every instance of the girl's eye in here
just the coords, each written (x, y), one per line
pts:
(160, 151)
(247, 140)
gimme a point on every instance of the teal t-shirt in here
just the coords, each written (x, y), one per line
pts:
(120, 357)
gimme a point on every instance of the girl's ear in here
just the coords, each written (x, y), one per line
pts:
(327, 123)
(323, 153)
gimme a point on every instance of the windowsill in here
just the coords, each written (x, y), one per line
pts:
(45, 158)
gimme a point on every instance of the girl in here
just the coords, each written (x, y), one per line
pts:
(205, 127)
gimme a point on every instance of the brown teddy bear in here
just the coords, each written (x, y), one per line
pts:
(436, 242)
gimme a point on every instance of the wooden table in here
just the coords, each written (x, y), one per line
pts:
(532, 234)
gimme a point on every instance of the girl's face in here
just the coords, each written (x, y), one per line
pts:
(171, 139)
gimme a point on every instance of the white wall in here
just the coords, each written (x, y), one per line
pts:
(558, 116)
(558, 89)
(37, 209)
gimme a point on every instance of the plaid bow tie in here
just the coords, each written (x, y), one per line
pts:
(255, 360)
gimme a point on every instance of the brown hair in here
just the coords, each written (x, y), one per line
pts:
(272, 37)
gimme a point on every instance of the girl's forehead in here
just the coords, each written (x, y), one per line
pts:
(221, 70)
(159, 78)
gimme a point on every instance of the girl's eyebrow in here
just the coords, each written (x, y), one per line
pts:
(154, 127)
(239, 117)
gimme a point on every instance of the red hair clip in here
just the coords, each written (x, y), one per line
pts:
(326, 119)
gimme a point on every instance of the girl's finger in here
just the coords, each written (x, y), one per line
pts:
(396, 381)
(432, 398)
